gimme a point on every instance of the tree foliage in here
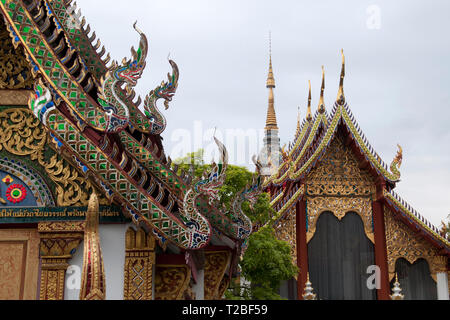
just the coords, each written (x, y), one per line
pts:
(267, 260)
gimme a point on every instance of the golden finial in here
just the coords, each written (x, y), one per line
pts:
(271, 120)
(322, 89)
(297, 131)
(341, 97)
(308, 113)
(270, 79)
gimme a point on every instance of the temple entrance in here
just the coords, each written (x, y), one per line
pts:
(338, 257)
(415, 280)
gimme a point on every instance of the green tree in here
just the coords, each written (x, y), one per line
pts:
(267, 260)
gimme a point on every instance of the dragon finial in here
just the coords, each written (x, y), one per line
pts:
(258, 164)
(131, 69)
(397, 162)
(165, 91)
(128, 73)
(210, 183)
(399, 157)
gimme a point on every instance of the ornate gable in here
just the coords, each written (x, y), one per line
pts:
(338, 185)
(403, 242)
(338, 174)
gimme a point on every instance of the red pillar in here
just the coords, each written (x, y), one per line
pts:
(380, 249)
(302, 248)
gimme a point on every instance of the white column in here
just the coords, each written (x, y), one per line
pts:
(199, 287)
(442, 286)
(112, 242)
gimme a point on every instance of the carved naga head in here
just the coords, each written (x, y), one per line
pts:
(252, 191)
(167, 89)
(211, 182)
(131, 70)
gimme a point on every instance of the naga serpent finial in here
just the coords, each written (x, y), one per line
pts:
(284, 153)
(340, 96)
(210, 182)
(128, 73)
(397, 162)
(165, 91)
(399, 157)
(257, 163)
(322, 89)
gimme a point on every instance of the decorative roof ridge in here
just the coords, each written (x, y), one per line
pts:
(328, 134)
(405, 207)
(363, 137)
(71, 6)
(291, 198)
(283, 207)
(301, 136)
(137, 116)
(318, 120)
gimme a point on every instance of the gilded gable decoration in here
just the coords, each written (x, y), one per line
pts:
(339, 207)
(338, 174)
(402, 242)
(22, 134)
(285, 229)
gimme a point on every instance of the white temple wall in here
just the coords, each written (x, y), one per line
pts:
(112, 241)
(442, 286)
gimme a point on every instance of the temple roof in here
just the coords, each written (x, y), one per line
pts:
(310, 145)
(89, 112)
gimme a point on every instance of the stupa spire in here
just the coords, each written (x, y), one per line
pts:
(271, 120)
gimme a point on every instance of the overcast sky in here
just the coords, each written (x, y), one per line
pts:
(397, 71)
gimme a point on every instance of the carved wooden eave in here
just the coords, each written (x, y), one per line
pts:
(217, 261)
(172, 277)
